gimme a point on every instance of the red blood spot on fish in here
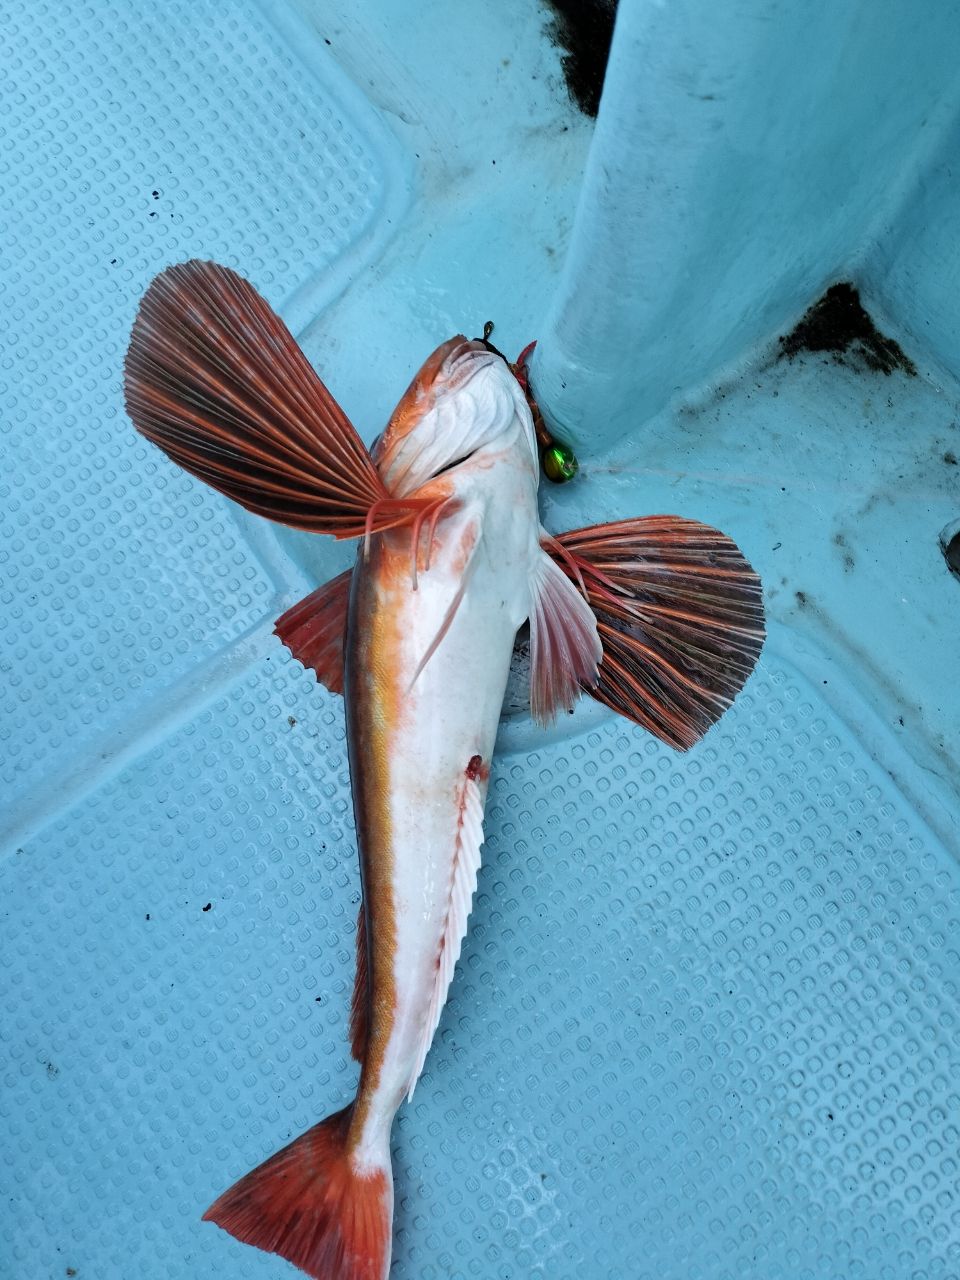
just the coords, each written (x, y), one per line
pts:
(477, 769)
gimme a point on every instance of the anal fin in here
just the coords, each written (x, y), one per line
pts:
(463, 884)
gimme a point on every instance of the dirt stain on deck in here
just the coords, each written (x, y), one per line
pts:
(583, 29)
(839, 325)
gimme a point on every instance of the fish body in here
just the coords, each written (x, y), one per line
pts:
(421, 736)
(658, 617)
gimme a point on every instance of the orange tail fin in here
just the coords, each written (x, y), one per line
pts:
(309, 1204)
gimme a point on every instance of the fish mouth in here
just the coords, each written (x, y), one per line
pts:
(463, 363)
(449, 417)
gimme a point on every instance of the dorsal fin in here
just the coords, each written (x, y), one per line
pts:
(360, 1003)
(463, 883)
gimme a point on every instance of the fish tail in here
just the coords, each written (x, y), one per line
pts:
(317, 1204)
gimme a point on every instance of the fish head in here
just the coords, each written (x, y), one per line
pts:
(464, 398)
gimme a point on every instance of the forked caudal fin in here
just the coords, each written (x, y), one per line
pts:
(312, 1205)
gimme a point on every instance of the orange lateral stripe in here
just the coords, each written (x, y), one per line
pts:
(360, 1001)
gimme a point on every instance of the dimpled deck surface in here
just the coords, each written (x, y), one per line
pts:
(706, 1023)
(134, 138)
(709, 1006)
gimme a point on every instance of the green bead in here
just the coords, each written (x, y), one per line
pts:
(559, 463)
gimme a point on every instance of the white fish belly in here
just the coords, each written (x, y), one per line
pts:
(450, 716)
(453, 716)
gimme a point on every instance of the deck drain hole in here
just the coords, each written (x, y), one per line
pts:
(950, 546)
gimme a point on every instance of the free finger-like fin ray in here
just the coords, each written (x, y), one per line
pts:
(680, 615)
(468, 539)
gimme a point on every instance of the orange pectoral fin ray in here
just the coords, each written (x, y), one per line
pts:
(680, 616)
(215, 379)
(314, 630)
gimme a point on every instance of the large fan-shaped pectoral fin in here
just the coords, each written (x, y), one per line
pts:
(214, 378)
(680, 615)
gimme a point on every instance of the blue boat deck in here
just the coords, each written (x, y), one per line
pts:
(706, 1023)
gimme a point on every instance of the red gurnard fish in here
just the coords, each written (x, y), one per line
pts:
(659, 617)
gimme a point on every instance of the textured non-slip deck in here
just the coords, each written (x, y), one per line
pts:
(706, 1023)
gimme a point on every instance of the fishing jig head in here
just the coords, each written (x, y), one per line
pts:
(557, 459)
